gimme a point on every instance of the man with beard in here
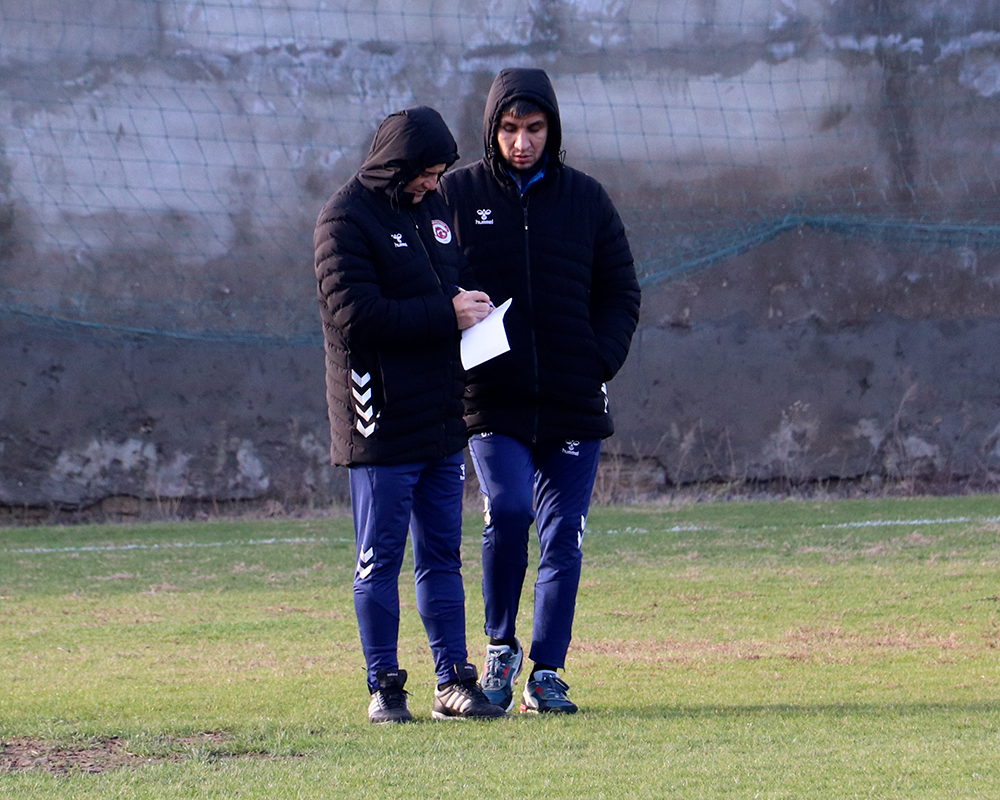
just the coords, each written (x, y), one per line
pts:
(547, 237)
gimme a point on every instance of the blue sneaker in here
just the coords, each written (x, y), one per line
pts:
(503, 665)
(545, 693)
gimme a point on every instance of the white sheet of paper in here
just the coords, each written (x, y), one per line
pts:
(486, 339)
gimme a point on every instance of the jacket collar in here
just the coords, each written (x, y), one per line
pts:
(525, 182)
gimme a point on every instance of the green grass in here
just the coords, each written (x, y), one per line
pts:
(845, 649)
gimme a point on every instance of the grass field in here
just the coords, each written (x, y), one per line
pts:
(843, 649)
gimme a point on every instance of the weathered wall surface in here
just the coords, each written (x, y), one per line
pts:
(810, 188)
(813, 358)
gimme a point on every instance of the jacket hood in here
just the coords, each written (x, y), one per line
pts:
(517, 83)
(406, 143)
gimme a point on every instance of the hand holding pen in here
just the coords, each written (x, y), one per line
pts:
(471, 307)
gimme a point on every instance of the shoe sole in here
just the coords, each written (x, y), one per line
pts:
(530, 710)
(442, 715)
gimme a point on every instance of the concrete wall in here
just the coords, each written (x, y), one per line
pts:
(162, 163)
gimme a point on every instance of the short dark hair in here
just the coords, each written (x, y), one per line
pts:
(522, 108)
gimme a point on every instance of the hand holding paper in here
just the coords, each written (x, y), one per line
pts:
(486, 339)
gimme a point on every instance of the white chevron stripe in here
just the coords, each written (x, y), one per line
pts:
(366, 563)
(364, 413)
(366, 430)
(362, 398)
(361, 380)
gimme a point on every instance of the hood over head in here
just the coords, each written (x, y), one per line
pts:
(407, 143)
(521, 83)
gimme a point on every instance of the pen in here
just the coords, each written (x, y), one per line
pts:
(463, 290)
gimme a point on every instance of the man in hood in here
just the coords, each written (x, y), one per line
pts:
(388, 271)
(547, 237)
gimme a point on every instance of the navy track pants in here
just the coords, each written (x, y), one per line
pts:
(425, 499)
(550, 484)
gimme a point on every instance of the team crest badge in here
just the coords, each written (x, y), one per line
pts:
(441, 231)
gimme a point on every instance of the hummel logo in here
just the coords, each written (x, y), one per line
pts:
(362, 404)
(397, 239)
(570, 448)
(362, 397)
(484, 216)
(361, 380)
(366, 562)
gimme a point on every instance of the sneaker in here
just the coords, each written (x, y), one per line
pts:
(503, 665)
(463, 699)
(388, 703)
(545, 693)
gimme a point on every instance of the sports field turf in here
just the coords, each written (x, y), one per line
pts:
(792, 649)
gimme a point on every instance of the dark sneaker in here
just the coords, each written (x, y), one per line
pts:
(503, 665)
(463, 699)
(545, 693)
(388, 703)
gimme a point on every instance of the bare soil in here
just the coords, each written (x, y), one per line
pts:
(94, 756)
(100, 755)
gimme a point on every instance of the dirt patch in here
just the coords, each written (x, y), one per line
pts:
(100, 755)
(94, 756)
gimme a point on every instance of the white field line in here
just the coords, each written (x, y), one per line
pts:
(867, 523)
(871, 523)
(172, 545)
(885, 523)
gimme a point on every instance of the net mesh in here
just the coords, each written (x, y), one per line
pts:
(161, 164)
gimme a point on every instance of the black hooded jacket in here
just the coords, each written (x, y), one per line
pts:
(561, 253)
(386, 271)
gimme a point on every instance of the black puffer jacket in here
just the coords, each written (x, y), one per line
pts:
(561, 253)
(387, 270)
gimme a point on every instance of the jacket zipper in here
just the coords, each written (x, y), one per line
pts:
(531, 309)
(423, 247)
(440, 283)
